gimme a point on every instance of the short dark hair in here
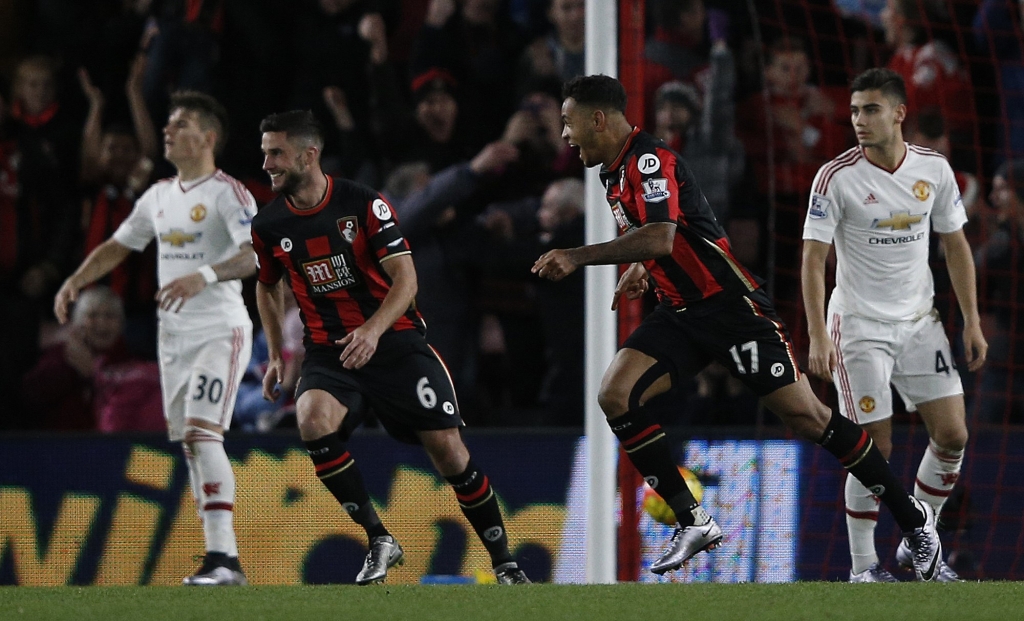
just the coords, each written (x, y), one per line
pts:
(295, 124)
(886, 80)
(931, 124)
(212, 115)
(596, 91)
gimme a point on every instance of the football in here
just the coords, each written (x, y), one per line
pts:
(658, 509)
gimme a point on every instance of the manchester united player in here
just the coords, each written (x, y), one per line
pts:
(711, 309)
(879, 201)
(200, 219)
(352, 274)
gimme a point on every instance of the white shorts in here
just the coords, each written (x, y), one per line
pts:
(913, 356)
(200, 373)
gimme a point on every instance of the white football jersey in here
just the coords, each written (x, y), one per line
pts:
(196, 223)
(880, 222)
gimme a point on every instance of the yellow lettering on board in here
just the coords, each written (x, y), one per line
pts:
(128, 541)
(34, 566)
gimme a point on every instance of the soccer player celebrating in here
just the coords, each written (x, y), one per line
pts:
(352, 274)
(711, 309)
(200, 219)
(878, 201)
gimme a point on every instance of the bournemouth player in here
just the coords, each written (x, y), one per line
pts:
(711, 309)
(352, 274)
(200, 219)
(878, 202)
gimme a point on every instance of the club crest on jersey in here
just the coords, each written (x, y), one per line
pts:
(198, 213)
(648, 163)
(655, 190)
(349, 228)
(922, 190)
(819, 207)
(867, 405)
(897, 221)
(178, 238)
(329, 274)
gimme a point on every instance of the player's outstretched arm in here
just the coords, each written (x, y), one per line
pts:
(960, 264)
(361, 343)
(651, 241)
(270, 305)
(174, 294)
(822, 357)
(98, 264)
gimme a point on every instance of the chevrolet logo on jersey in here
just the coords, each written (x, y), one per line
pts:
(897, 221)
(178, 238)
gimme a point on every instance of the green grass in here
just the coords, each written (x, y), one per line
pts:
(816, 601)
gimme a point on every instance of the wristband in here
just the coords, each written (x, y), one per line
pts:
(209, 275)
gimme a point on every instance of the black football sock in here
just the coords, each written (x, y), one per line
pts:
(647, 447)
(861, 458)
(338, 472)
(480, 506)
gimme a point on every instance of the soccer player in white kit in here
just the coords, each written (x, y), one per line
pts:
(201, 220)
(877, 202)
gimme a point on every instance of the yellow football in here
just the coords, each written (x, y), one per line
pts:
(658, 509)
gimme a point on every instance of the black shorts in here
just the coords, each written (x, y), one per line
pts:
(742, 333)
(405, 382)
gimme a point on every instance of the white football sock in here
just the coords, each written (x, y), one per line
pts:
(218, 496)
(937, 474)
(861, 519)
(193, 479)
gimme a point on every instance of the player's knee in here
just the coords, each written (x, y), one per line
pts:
(195, 433)
(952, 439)
(613, 399)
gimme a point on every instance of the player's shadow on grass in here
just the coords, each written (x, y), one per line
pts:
(335, 560)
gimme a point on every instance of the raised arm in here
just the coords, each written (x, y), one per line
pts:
(145, 131)
(92, 131)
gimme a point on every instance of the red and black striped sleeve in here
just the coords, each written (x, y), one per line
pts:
(651, 177)
(270, 269)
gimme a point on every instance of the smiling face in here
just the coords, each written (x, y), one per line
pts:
(578, 129)
(289, 166)
(876, 118)
(184, 138)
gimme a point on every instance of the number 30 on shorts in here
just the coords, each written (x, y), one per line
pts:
(209, 389)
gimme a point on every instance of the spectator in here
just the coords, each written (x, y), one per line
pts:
(434, 132)
(536, 130)
(704, 130)
(1000, 262)
(436, 213)
(680, 47)
(184, 49)
(559, 53)
(37, 231)
(805, 125)
(88, 380)
(932, 71)
(480, 45)
(514, 242)
(117, 163)
(997, 30)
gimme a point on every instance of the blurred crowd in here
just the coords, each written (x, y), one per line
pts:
(452, 109)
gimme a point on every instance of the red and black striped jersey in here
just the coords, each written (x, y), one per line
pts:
(332, 254)
(649, 182)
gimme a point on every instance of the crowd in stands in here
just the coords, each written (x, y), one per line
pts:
(452, 109)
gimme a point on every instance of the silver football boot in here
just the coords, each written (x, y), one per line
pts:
(384, 554)
(875, 573)
(509, 573)
(924, 545)
(686, 543)
(215, 571)
(906, 560)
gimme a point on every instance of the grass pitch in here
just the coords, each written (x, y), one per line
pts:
(998, 601)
